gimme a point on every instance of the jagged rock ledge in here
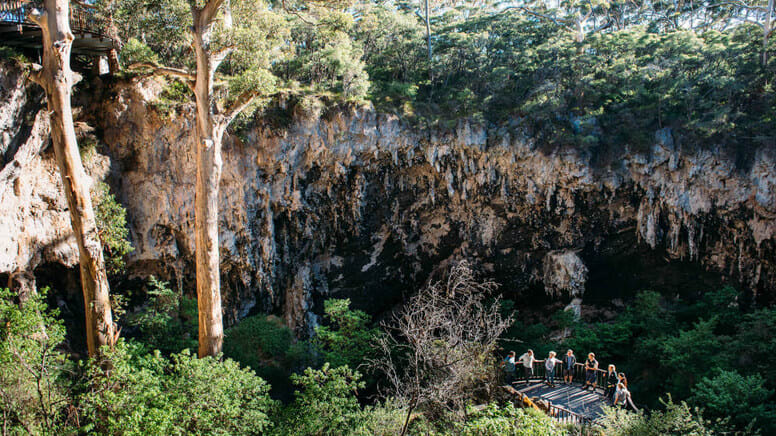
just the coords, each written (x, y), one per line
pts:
(359, 204)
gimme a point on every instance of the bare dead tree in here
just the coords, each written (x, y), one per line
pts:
(438, 349)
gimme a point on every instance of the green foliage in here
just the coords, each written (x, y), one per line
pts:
(33, 386)
(167, 321)
(158, 26)
(265, 344)
(384, 419)
(258, 340)
(689, 350)
(11, 54)
(348, 338)
(150, 394)
(135, 51)
(326, 404)
(508, 420)
(675, 420)
(742, 400)
(112, 229)
(326, 57)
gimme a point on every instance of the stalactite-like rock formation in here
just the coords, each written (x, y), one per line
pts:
(359, 204)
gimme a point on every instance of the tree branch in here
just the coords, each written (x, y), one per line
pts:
(558, 22)
(158, 70)
(239, 105)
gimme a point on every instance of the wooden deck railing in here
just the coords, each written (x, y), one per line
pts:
(83, 18)
(558, 413)
(540, 373)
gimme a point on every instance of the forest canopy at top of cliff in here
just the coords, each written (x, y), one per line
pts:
(584, 73)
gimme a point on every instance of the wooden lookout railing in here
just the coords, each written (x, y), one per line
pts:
(83, 18)
(85, 23)
(557, 412)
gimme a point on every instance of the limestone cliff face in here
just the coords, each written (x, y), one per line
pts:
(355, 203)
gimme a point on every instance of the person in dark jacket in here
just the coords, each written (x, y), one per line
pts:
(591, 371)
(569, 360)
(611, 382)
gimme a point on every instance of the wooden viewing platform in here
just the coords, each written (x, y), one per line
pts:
(17, 31)
(568, 404)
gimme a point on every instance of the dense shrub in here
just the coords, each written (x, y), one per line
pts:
(347, 338)
(135, 51)
(33, 372)
(742, 400)
(675, 420)
(150, 394)
(507, 420)
(258, 341)
(326, 403)
(167, 321)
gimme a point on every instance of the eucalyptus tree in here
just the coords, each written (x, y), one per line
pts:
(573, 15)
(243, 35)
(57, 79)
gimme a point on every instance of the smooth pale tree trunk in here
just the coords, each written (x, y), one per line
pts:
(209, 133)
(767, 29)
(56, 78)
(428, 42)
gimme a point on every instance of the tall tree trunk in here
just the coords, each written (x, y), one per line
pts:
(57, 79)
(209, 133)
(428, 42)
(767, 29)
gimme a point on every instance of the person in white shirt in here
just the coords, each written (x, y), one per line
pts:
(549, 365)
(621, 394)
(528, 360)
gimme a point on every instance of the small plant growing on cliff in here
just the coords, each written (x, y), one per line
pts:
(112, 227)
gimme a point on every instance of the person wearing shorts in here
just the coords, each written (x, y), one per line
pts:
(569, 360)
(591, 368)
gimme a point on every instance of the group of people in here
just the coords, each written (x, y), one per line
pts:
(615, 384)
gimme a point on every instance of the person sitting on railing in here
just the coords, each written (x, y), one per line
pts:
(509, 367)
(611, 382)
(622, 394)
(568, 366)
(549, 365)
(591, 368)
(528, 360)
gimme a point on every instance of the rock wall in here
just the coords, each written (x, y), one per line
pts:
(355, 203)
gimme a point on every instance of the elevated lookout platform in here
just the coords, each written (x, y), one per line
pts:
(585, 403)
(569, 404)
(19, 32)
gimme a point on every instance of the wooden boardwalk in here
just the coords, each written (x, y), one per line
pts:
(16, 30)
(587, 403)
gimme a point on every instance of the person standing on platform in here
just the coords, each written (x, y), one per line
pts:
(569, 361)
(528, 360)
